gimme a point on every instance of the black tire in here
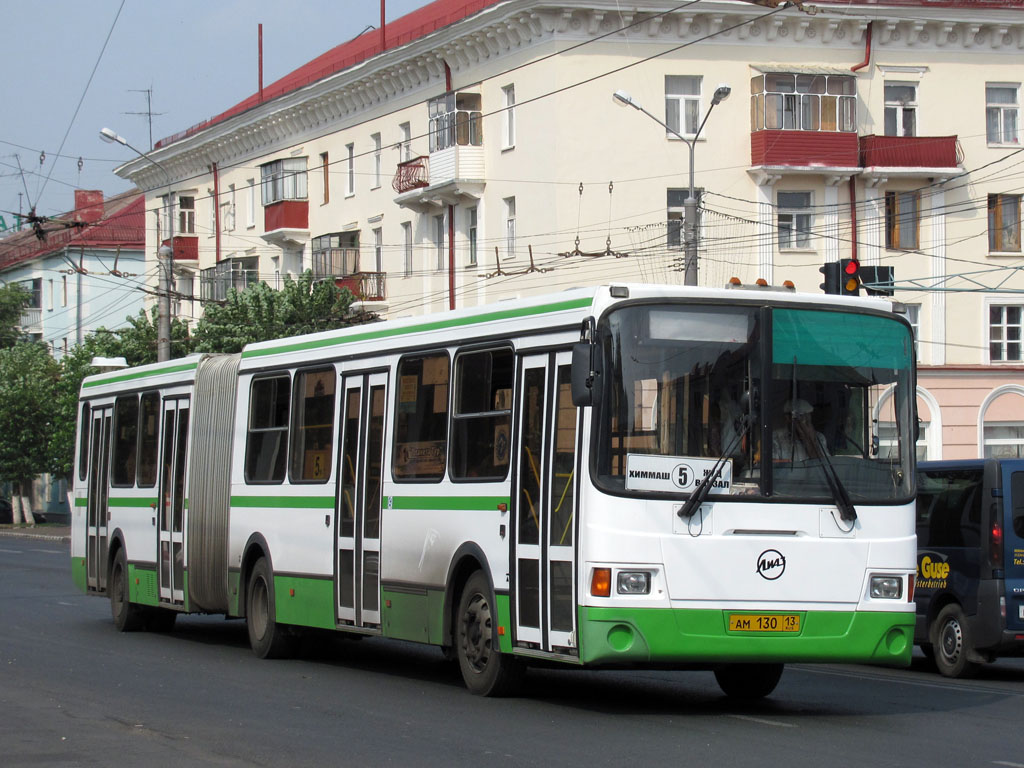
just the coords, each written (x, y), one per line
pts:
(160, 619)
(952, 644)
(748, 682)
(485, 669)
(128, 617)
(269, 640)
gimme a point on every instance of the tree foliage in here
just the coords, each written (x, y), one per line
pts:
(260, 313)
(13, 300)
(28, 411)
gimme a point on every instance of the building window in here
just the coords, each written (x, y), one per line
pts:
(914, 318)
(378, 249)
(510, 227)
(336, 255)
(250, 204)
(186, 215)
(439, 241)
(471, 233)
(901, 220)
(803, 102)
(1004, 223)
(889, 440)
(405, 144)
(229, 210)
(455, 118)
(237, 274)
(284, 180)
(677, 214)
(1004, 333)
(1001, 114)
(350, 183)
(682, 104)
(900, 109)
(325, 165)
(1004, 440)
(35, 289)
(63, 290)
(795, 220)
(407, 248)
(211, 228)
(376, 159)
(508, 131)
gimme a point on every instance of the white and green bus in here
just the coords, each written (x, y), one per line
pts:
(625, 476)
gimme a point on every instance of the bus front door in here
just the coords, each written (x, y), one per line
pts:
(96, 509)
(545, 504)
(359, 500)
(173, 456)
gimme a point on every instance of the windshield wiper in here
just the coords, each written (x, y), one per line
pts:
(704, 487)
(839, 494)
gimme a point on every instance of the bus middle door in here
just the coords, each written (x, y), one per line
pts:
(171, 503)
(544, 551)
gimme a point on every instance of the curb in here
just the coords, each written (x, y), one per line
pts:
(21, 534)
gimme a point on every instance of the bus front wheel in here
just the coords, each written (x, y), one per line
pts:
(269, 640)
(128, 617)
(748, 681)
(951, 643)
(485, 669)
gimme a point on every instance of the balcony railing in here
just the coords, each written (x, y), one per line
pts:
(31, 318)
(365, 286)
(412, 174)
(910, 152)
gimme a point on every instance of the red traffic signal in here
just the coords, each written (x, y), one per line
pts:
(850, 281)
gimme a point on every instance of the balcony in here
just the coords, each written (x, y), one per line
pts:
(412, 174)
(186, 248)
(365, 286)
(910, 156)
(810, 150)
(286, 223)
(32, 319)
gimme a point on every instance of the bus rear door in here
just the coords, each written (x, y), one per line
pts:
(1013, 537)
(99, 488)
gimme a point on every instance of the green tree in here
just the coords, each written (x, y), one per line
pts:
(13, 300)
(260, 313)
(28, 413)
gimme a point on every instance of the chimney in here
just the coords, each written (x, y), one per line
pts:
(88, 206)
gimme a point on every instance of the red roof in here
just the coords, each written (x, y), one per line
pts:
(122, 225)
(406, 29)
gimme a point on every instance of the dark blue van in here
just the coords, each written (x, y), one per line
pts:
(970, 562)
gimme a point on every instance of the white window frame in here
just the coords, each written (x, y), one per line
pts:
(508, 125)
(472, 233)
(350, 175)
(439, 240)
(510, 227)
(901, 114)
(1002, 113)
(914, 318)
(376, 160)
(1006, 330)
(378, 249)
(801, 234)
(405, 143)
(284, 179)
(993, 442)
(683, 110)
(407, 248)
(250, 205)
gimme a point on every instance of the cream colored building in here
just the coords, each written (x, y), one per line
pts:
(477, 156)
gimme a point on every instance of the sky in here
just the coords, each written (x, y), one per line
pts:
(72, 67)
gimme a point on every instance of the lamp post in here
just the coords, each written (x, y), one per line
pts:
(690, 232)
(165, 256)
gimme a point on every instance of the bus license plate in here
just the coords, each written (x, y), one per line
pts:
(764, 622)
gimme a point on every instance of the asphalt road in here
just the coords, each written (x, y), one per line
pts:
(75, 692)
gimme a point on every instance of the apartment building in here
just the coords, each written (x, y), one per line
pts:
(472, 152)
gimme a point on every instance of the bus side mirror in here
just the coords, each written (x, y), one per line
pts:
(584, 378)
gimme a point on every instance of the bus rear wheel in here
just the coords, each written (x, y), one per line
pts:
(269, 640)
(748, 681)
(485, 669)
(952, 644)
(128, 617)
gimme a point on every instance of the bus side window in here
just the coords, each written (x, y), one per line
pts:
(421, 421)
(126, 429)
(83, 442)
(149, 442)
(265, 444)
(313, 426)
(481, 417)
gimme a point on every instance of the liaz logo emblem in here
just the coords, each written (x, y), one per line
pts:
(771, 564)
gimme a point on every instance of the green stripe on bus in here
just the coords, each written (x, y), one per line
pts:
(123, 501)
(140, 375)
(81, 501)
(436, 325)
(483, 503)
(291, 502)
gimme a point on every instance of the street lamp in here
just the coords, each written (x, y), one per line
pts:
(690, 205)
(165, 254)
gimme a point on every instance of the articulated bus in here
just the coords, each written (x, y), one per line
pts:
(626, 476)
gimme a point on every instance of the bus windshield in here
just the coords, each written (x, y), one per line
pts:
(776, 402)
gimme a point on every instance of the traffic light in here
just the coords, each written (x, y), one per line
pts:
(849, 277)
(877, 281)
(833, 281)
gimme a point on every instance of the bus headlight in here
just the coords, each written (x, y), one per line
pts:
(886, 587)
(633, 583)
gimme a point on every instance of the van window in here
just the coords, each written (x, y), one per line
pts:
(949, 508)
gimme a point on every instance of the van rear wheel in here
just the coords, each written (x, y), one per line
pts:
(952, 643)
